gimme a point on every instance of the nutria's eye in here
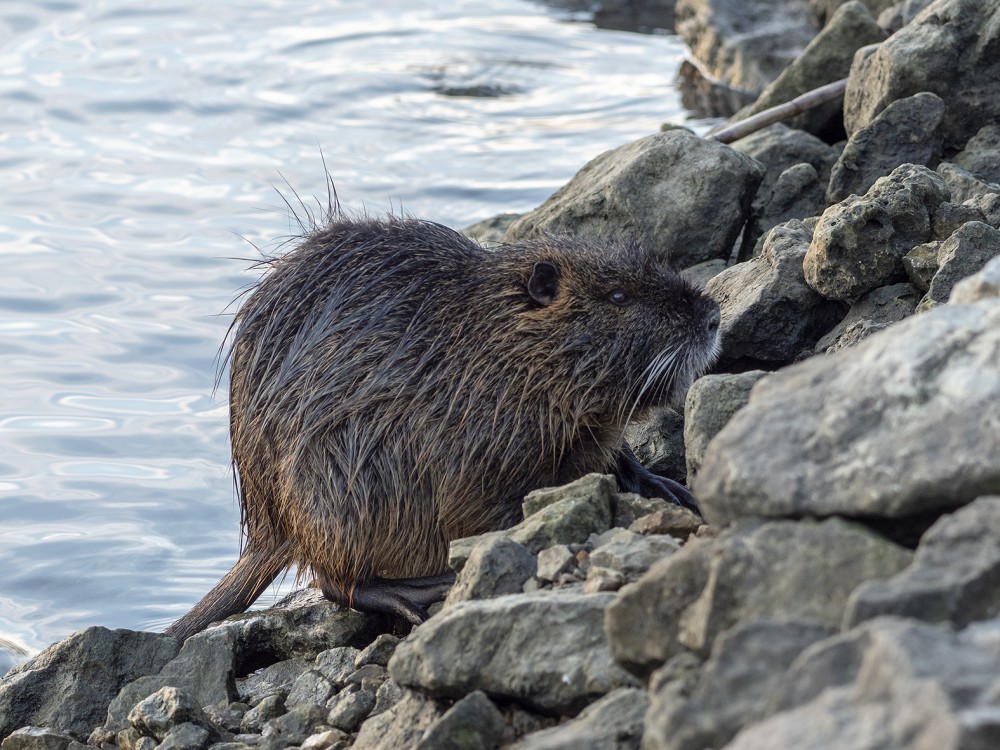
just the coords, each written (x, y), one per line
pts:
(620, 298)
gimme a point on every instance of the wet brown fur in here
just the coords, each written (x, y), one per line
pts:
(394, 386)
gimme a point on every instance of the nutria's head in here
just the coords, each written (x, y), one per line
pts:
(630, 325)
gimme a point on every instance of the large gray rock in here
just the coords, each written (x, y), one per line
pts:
(799, 193)
(401, 726)
(209, 661)
(683, 197)
(825, 59)
(473, 722)
(711, 402)
(39, 738)
(908, 131)
(962, 184)
(889, 684)
(769, 312)
(744, 43)
(901, 425)
(981, 155)
(955, 575)
(950, 49)
(779, 147)
(801, 571)
(497, 565)
(546, 650)
(612, 723)
(733, 689)
(871, 313)
(983, 285)
(963, 254)
(68, 686)
(859, 243)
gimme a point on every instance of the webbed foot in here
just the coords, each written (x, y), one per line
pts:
(634, 477)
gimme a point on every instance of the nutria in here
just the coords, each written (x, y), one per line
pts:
(395, 385)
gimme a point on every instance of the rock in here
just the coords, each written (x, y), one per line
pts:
(348, 710)
(921, 263)
(401, 726)
(631, 554)
(473, 723)
(378, 651)
(798, 193)
(387, 696)
(496, 566)
(599, 489)
(711, 402)
(988, 204)
(827, 58)
(292, 728)
(963, 254)
(962, 184)
(949, 217)
(68, 686)
(684, 198)
(955, 575)
(873, 312)
(205, 668)
(733, 689)
(889, 684)
(269, 708)
(656, 602)
(901, 425)
(907, 131)
(739, 53)
(165, 709)
(208, 661)
(781, 569)
(275, 678)
(658, 443)
(227, 717)
(949, 50)
(983, 285)
(779, 147)
(769, 312)
(311, 688)
(859, 243)
(325, 740)
(628, 507)
(554, 561)
(187, 736)
(701, 273)
(612, 723)
(823, 10)
(895, 17)
(491, 230)
(546, 650)
(37, 738)
(981, 155)
(678, 522)
(567, 515)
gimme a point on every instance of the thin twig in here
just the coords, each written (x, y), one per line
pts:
(796, 106)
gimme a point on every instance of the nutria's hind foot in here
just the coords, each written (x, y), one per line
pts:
(632, 476)
(408, 598)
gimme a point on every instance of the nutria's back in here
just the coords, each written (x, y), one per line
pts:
(395, 386)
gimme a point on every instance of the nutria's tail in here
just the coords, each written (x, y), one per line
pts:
(238, 589)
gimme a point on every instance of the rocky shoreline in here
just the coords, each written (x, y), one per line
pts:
(843, 588)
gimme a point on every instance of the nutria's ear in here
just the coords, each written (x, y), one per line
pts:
(543, 286)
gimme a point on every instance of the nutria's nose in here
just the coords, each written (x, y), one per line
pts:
(712, 321)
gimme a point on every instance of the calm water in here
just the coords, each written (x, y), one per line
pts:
(139, 146)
